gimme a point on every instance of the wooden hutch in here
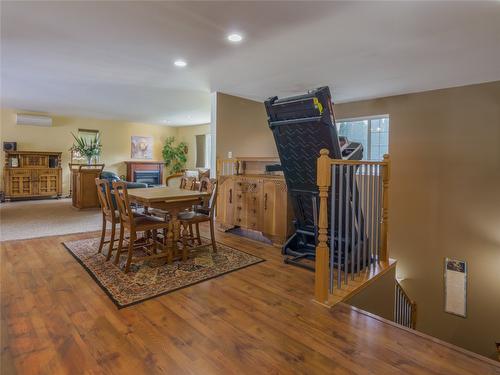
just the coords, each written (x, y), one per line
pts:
(250, 198)
(31, 174)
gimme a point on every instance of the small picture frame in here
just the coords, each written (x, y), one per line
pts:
(14, 162)
(455, 287)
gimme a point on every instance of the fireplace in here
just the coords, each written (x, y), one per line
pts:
(146, 171)
(147, 177)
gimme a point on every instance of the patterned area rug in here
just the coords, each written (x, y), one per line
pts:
(153, 278)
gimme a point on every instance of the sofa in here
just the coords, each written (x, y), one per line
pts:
(113, 177)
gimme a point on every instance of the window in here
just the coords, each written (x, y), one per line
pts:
(372, 132)
(203, 147)
(88, 134)
(208, 148)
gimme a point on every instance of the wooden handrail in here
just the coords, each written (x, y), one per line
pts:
(359, 162)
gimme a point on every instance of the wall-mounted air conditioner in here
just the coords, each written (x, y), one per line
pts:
(35, 120)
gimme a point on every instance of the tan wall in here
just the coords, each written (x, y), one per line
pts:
(188, 134)
(378, 297)
(444, 199)
(242, 128)
(115, 139)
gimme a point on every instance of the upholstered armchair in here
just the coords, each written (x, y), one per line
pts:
(113, 177)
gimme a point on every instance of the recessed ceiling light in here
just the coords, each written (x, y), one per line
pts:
(180, 63)
(235, 38)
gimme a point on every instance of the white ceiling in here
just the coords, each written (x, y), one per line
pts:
(114, 59)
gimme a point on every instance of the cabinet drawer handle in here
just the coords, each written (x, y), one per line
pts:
(230, 195)
(265, 201)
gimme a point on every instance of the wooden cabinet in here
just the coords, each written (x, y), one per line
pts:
(29, 174)
(226, 199)
(275, 196)
(255, 201)
(84, 190)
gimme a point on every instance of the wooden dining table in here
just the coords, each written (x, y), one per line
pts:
(173, 200)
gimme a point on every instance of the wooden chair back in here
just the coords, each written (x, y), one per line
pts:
(213, 199)
(104, 195)
(188, 183)
(121, 197)
(207, 184)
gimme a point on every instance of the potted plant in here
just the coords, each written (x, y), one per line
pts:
(175, 157)
(87, 147)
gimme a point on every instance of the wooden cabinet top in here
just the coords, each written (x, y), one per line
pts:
(33, 153)
(144, 162)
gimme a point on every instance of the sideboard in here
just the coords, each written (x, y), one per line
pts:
(251, 199)
(31, 174)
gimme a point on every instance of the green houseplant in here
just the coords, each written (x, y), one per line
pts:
(175, 157)
(87, 147)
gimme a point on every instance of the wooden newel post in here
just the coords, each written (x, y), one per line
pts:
(386, 175)
(324, 170)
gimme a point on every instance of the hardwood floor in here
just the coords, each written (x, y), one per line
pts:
(56, 320)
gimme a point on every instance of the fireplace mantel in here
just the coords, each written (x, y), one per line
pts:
(143, 165)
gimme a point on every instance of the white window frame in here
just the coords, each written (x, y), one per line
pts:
(369, 119)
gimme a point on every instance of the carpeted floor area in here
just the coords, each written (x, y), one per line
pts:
(48, 217)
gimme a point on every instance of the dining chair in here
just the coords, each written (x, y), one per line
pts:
(188, 183)
(206, 185)
(135, 225)
(190, 218)
(109, 214)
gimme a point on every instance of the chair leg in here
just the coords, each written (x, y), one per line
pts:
(130, 251)
(155, 243)
(120, 245)
(184, 234)
(198, 238)
(212, 235)
(103, 233)
(111, 240)
(191, 235)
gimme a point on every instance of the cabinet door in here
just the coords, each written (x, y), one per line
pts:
(275, 217)
(226, 202)
(20, 183)
(253, 202)
(48, 181)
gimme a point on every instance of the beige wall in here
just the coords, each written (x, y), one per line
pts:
(378, 297)
(444, 198)
(115, 138)
(188, 134)
(445, 202)
(242, 128)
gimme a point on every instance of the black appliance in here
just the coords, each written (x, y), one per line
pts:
(303, 125)
(10, 146)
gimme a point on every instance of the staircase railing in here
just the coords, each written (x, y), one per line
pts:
(405, 309)
(353, 220)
